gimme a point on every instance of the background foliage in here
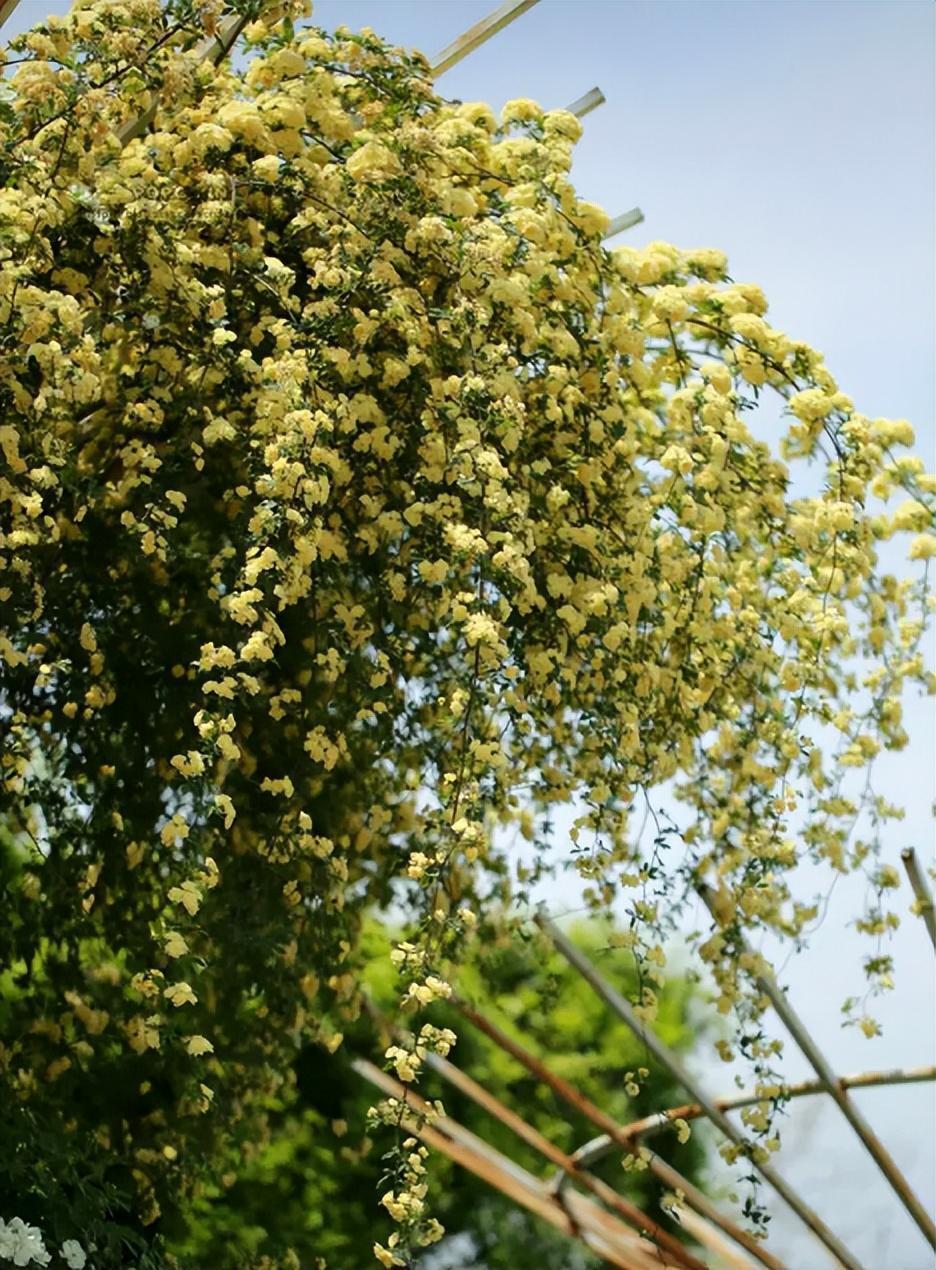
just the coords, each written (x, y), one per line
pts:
(315, 1194)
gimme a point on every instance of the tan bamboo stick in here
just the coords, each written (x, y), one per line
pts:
(7, 9)
(590, 1152)
(728, 1256)
(666, 1174)
(556, 1083)
(584, 1219)
(924, 896)
(479, 34)
(627, 220)
(527, 1133)
(594, 1150)
(820, 1065)
(588, 102)
(664, 1055)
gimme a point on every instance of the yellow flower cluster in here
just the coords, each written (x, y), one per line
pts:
(357, 504)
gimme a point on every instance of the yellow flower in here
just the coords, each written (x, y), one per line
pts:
(406, 1063)
(190, 764)
(242, 119)
(457, 201)
(911, 514)
(175, 945)
(923, 547)
(226, 806)
(210, 136)
(57, 1068)
(481, 629)
(267, 168)
(562, 123)
(520, 110)
(188, 895)
(810, 405)
(372, 162)
(180, 994)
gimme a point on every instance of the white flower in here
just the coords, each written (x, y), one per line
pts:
(74, 1254)
(22, 1244)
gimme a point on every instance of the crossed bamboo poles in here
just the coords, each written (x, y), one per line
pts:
(627, 1232)
(626, 1236)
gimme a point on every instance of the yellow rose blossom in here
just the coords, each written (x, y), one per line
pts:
(198, 1045)
(372, 162)
(180, 994)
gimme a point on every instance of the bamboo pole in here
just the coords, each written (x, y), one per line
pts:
(700, 1230)
(806, 1088)
(590, 1152)
(820, 1065)
(556, 1083)
(666, 1174)
(581, 1218)
(598, 1147)
(477, 35)
(532, 1137)
(7, 9)
(664, 1055)
(626, 220)
(588, 102)
(924, 896)
(634, 1216)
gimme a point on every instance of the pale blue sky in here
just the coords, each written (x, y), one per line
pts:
(798, 136)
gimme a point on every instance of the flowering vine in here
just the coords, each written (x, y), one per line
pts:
(358, 504)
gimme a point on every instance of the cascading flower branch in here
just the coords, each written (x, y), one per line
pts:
(356, 504)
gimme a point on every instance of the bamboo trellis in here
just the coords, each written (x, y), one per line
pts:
(622, 1236)
(7, 9)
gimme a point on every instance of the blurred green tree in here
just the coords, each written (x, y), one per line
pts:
(298, 1192)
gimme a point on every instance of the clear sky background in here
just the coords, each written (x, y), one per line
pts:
(800, 137)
